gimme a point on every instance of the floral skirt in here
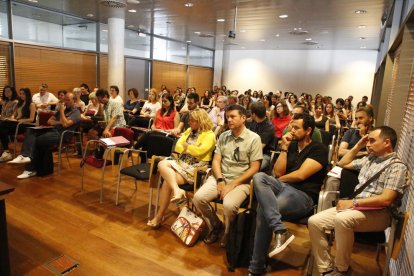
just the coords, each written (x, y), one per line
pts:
(185, 165)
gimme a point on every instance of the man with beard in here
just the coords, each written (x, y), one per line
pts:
(299, 172)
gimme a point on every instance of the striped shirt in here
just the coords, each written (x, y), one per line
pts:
(395, 177)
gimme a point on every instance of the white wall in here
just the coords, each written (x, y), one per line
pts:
(337, 73)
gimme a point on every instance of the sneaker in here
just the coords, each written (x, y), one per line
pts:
(6, 156)
(20, 160)
(282, 240)
(336, 272)
(26, 174)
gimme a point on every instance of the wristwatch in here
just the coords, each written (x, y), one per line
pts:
(221, 179)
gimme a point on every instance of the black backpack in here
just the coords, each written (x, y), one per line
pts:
(239, 248)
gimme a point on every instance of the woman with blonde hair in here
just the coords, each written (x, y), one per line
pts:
(195, 148)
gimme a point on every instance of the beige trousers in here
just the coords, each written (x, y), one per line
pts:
(344, 223)
(231, 202)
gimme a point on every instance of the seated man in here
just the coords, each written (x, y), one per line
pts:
(299, 109)
(112, 111)
(237, 158)
(345, 218)
(38, 141)
(266, 130)
(44, 99)
(217, 113)
(299, 172)
(192, 101)
(364, 117)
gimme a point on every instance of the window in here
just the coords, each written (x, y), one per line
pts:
(4, 24)
(201, 57)
(169, 50)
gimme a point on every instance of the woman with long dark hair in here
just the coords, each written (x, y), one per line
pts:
(24, 113)
(8, 102)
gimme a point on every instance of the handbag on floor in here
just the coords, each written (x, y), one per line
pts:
(188, 226)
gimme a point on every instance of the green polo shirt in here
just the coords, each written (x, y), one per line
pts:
(237, 153)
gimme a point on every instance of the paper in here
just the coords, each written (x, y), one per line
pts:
(335, 172)
(114, 141)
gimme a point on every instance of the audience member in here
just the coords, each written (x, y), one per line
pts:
(299, 172)
(8, 102)
(195, 148)
(78, 102)
(321, 121)
(281, 118)
(349, 216)
(237, 158)
(44, 99)
(217, 113)
(114, 92)
(37, 142)
(84, 93)
(192, 102)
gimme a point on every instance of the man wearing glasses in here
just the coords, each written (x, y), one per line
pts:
(299, 172)
(237, 158)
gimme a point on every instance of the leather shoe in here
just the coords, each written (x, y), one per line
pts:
(214, 235)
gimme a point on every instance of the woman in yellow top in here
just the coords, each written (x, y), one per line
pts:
(195, 148)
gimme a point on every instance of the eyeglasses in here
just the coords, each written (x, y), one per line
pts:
(236, 154)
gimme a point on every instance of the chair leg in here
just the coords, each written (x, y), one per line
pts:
(83, 173)
(105, 157)
(118, 184)
(150, 203)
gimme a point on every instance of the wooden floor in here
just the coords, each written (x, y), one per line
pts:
(49, 216)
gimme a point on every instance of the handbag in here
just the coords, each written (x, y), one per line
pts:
(188, 226)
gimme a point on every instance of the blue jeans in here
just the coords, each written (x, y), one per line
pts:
(276, 200)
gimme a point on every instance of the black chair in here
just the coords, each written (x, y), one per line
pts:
(158, 145)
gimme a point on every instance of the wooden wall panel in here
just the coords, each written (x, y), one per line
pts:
(4, 66)
(60, 69)
(169, 74)
(103, 71)
(201, 78)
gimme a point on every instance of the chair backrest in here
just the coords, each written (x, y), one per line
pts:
(160, 145)
(127, 133)
(44, 117)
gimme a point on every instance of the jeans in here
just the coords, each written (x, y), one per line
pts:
(276, 200)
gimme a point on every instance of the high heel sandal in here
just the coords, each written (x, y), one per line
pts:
(179, 199)
(154, 225)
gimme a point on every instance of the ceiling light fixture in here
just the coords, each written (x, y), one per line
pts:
(308, 39)
(133, 2)
(277, 35)
(89, 15)
(361, 26)
(189, 4)
(283, 16)
(360, 11)
(188, 41)
(131, 26)
(197, 33)
(104, 30)
(242, 31)
(363, 47)
(33, 1)
(263, 40)
(132, 10)
(221, 20)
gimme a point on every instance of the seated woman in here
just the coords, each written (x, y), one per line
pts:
(24, 113)
(195, 148)
(207, 100)
(281, 118)
(332, 117)
(133, 105)
(92, 108)
(166, 119)
(147, 111)
(79, 104)
(321, 121)
(61, 97)
(8, 102)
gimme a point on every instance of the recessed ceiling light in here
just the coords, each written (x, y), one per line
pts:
(104, 30)
(131, 26)
(221, 20)
(360, 11)
(132, 10)
(33, 1)
(243, 47)
(188, 41)
(242, 31)
(189, 4)
(89, 15)
(308, 39)
(362, 38)
(277, 35)
(363, 47)
(283, 16)
(197, 33)
(361, 26)
(133, 2)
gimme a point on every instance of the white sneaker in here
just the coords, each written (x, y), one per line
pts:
(26, 174)
(6, 156)
(20, 160)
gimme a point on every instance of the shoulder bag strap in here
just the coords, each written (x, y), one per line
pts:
(374, 177)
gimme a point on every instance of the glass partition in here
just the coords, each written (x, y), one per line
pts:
(4, 24)
(170, 50)
(137, 44)
(200, 57)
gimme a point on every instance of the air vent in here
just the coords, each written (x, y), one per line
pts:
(298, 32)
(114, 3)
(310, 42)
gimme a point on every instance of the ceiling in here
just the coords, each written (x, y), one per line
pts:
(311, 24)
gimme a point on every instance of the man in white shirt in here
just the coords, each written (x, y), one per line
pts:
(114, 92)
(43, 100)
